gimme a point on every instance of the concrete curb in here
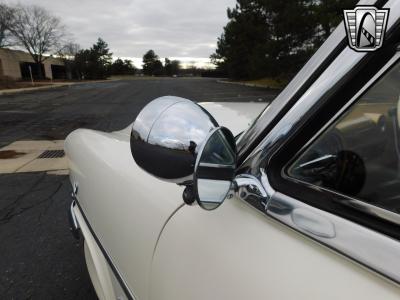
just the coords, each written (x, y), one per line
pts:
(48, 87)
(32, 89)
(247, 84)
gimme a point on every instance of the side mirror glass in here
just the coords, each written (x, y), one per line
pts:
(215, 168)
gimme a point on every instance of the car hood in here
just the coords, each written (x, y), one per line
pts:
(237, 116)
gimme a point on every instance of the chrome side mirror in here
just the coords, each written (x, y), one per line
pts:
(177, 140)
(167, 135)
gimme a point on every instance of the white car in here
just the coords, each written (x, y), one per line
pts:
(304, 204)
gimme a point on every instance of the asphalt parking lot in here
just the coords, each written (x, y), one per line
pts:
(39, 257)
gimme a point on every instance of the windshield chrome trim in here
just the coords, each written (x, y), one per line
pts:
(368, 85)
(303, 80)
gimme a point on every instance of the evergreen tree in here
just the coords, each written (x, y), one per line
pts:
(94, 63)
(275, 38)
(123, 67)
(152, 65)
(242, 45)
(171, 67)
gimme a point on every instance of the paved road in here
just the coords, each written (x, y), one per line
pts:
(39, 257)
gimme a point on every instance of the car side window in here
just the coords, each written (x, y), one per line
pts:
(359, 155)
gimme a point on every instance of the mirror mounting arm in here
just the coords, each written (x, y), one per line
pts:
(250, 189)
(188, 195)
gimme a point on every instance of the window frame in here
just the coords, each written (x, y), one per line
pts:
(358, 203)
(350, 208)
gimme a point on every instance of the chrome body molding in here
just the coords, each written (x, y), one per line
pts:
(212, 165)
(116, 272)
(73, 222)
(371, 249)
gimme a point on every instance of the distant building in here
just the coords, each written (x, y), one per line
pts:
(15, 64)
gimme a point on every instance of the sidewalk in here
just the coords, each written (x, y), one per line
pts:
(53, 85)
(34, 156)
(34, 88)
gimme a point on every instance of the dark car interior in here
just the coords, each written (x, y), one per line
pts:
(359, 155)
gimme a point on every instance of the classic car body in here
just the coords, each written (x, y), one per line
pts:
(312, 212)
(97, 160)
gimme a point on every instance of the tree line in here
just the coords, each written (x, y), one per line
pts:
(274, 38)
(43, 35)
(96, 63)
(263, 38)
(152, 65)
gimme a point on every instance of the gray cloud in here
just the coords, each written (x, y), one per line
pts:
(187, 29)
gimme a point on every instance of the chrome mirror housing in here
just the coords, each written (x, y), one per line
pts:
(177, 140)
(167, 136)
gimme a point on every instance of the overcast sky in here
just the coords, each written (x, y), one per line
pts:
(184, 29)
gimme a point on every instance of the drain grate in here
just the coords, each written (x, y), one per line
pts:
(52, 154)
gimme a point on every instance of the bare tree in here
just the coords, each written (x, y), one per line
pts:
(69, 50)
(38, 32)
(67, 53)
(6, 20)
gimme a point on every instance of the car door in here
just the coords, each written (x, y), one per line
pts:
(329, 227)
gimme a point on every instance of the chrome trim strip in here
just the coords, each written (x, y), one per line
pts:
(369, 248)
(360, 205)
(212, 165)
(117, 274)
(73, 222)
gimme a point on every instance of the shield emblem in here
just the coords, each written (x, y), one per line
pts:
(365, 27)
